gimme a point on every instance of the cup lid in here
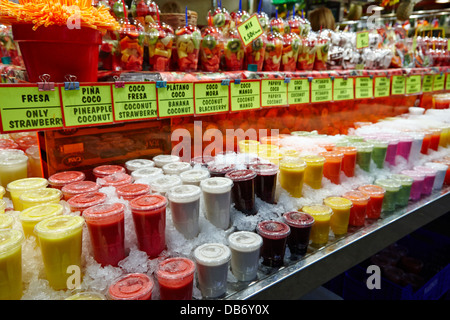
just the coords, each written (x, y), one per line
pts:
(10, 239)
(147, 172)
(59, 226)
(175, 268)
(41, 195)
(116, 179)
(403, 179)
(241, 175)
(356, 196)
(84, 186)
(164, 183)
(88, 199)
(216, 185)
(10, 158)
(6, 221)
(133, 286)
(41, 211)
(27, 183)
(212, 254)
(338, 202)
(133, 189)
(135, 164)
(273, 229)
(378, 143)
(372, 189)
(221, 168)
(332, 154)
(184, 193)
(437, 166)
(202, 160)
(345, 149)
(416, 175)
(363, 146)
(264, 169)
(317, 209)
(249, 142)
(245, 241)
(66, 177)
(104, 211)
(87, 295)
(163, 159)
(298, 219)
(176, 167)
(388, 184)
(427, 171)
(312, 158)
(107, 169)
(148, 202)
(194, 175)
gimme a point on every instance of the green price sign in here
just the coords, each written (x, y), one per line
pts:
(343, 89)
(427, 83)
(245, 95)
(363, 88)
(298, 91)
(413, 84)
(250, 30)
(382, 87)
(398, 85)
(438, 84)
(87, 106)
(447, 82)
(26, 108)
(135, 102)
(321, 90)
(273, 93)
(362, 39)
(176, 99)
(211, 98)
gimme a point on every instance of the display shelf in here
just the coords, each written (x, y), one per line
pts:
(320, 265)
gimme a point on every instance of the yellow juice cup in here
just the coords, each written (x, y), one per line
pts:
(2, 192)
(33, 198)
(321, 228)
(273, 156)
(445, 136)
(31, 216)
(11, 264)
(17, 187)
(292, 173)
(6, 221)
(248, 146)
(287, 152)
(341, 214)
(13, 166)
(2, 206)
(60, 239)
(314, 170)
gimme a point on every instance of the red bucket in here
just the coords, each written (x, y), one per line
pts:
(59, 51)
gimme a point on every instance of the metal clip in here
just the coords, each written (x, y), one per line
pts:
(310, 79)
(226, 82)
(161, 84)
(332, 78)
(287, 80)
(71, 84)
(237, 81)
(45, 85)
(117, 83)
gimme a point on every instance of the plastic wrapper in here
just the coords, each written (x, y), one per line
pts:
(146, 11)
(264, 21)
(188, 39)
(321, 48)
(274, 50)
(160, 38)
(306, 54)
(279, 25)
(239, 16)
(291, 45)
(234, 52)
(254, 53)
(221, 19)
(211, 49)
(131, 47)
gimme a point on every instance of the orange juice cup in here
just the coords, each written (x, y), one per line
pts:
(375, 204)
(349, 159)
(332, 166)
(358, 212)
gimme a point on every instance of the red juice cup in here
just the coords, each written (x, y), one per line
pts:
(160, 43)
(349, 159)
(291, 45)
(131, 45)
(234, 52)
(428, 182)
(243, 190)
(106, 227)
(115, 180)
(274, 50)
(132, 286)
(306, 55)
(132, 190)
(187, 39)
(254, 53)
(426, 142)
(375, 203)
(435, 138)
(86, 200)
(211, 49)
(358, 211)
(266, 181)
(60, 179)
(332, 166)
(107, 169)
(274, 235)
(176, 278)
(300, 224)
(149, 217)
(80, 187)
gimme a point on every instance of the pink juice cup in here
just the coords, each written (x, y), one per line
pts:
(417, 185)
(430, 176)
(404, 146)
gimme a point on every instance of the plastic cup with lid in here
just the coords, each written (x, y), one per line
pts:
(107, 169)
(440, 174)
(321, 228)
(132, 190)
(176, 278)
(274, 235)
(176, 168)
(265, 181)
(212, 264)
(60, 179)
(430, 177)
(11, 287)
(375, 204)
(106, 226)
(131, 286)
(405, 190)
(17, 187)
(6, 221)
(115, 180)
(392, 188)
(135, 164)
(314, 170)
(33, 215)
(245, 249)
(147, 174)
(217, 200)
(341, 214)
(300, 224)
(417, 185)
(358, 211)
(220, 169)
(162, 159)
(149, 218)
(194, 176)
(13, 166)
(243, 190)
(248, 146)
(184, 201)
(80, 187)
(2, 206)
(32, 198)
(163, 183)
(81, 202)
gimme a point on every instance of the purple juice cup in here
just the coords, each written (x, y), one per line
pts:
(430, 176)
(404, 146)
(417, 185)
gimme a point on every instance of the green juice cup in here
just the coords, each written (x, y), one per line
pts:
(363, 154)
(379, 152)
(405, 189)
(392, 188)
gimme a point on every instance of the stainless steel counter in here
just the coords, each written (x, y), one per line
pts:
(320, 265)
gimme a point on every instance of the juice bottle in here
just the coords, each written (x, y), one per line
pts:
(176, 278)
(314, 170)
(341, 214)
(17, 187)
(11, 264)
(31, 216)
(292, 173)
(321, 228)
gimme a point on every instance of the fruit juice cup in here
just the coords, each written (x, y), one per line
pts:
(176, 168)
(300, 224)
(60, 179)
(287, 152)
(217, 200)
(33, 215)
(358, 211)
(234, 52)
(404, 146)
(212, 264)
(60, 240)
(13, 166)
(162, 184)
(440, 174)
(80, 187)
(115, 180)
(162, 159)
(194, 176)
(426, 142)
(6, 221)
(106, 226)
(341, 214)
(220, 169)
(149, 218)
(132, 286)
(274, 50)
(160, 38)
(107, 169)
(417, 185)
(289, 56)
(17, 187)
(176, 278)
(184, 204)
(364, 152)
(416, 146)
(375, 204)
(332, 166)
(131, 46)
(274, 235)
(392, 188)
(349, 159)
(211, 49)
(187, 40)
(11, 264)
(405, 190)
(254, 53)
(34, 161)
(245, 249)
(321, 49)
(82, 201)
(445, 136)
(243, 190)
(264, 20)
(132, 190)
(147, 173)
(320, 230)
(430, 177)
(447, 174)
(379, 152)
(435, 138)
(391, 151)
(314, 170)
(292, 175)
(265, 181)
(135, 164)
(86, 295)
